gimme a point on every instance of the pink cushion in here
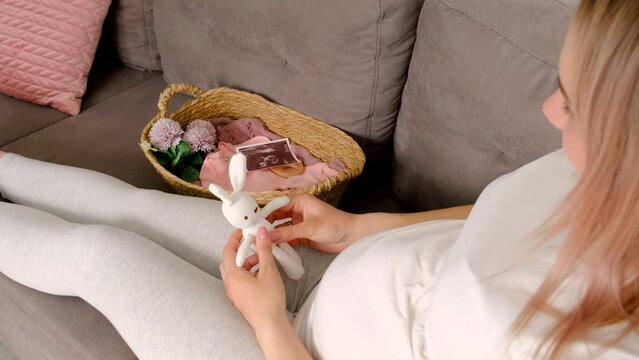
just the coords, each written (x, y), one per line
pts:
(47, 47)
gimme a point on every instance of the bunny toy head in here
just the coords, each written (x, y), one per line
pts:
(239, 209)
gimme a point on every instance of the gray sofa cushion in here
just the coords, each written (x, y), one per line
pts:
(19, 118)
(344, 62)
(35, 325)
(105, 136)
(471, 108)
(130, 29)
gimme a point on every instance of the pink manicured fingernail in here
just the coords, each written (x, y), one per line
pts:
(262, 233)
(275, 235)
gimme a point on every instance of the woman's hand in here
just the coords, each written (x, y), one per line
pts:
(325, 228)
(315, 224)
(259, 296)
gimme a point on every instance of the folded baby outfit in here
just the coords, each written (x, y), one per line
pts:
(242, 130)
(216, 170)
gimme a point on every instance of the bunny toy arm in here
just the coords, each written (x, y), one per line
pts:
(274, 205)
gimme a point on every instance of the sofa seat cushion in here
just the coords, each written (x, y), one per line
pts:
(471, 108)
(104, 137)
(19, 118)
(108, 81)
(343, 62)
(35, 325)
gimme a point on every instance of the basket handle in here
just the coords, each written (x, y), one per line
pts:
(172, 90)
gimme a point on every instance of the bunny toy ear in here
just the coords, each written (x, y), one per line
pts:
(220, 193)
(237, 171)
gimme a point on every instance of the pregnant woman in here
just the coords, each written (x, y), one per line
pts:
(545, 266)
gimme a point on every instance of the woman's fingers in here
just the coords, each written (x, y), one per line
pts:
(292, 232)
(294, 209)
(264, 249)
(276, 215)
(250, 262)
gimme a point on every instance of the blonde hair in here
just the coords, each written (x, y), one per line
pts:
(601, 214)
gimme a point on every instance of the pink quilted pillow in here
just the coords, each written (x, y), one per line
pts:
(47, 47)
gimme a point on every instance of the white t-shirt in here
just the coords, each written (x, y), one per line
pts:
(451, 289)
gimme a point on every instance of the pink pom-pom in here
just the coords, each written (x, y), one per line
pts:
(201, 123)
(201, 138)
(165, 133)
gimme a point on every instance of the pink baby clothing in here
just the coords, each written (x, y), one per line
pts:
(216, 170)
(241, 130)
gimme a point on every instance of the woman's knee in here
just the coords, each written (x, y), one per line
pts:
(98, 242)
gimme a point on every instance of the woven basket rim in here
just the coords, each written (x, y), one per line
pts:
(220, 93)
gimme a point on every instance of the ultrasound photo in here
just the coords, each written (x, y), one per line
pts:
(268, 155)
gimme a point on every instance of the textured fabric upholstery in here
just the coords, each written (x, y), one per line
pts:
(19, 119)
(105, 137)
(343, 62)
(35, 325)
(47, 48)
(471, 108)
(130, 29)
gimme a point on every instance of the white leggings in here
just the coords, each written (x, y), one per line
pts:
(145, 259)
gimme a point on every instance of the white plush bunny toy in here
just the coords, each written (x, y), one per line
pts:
(242, 211)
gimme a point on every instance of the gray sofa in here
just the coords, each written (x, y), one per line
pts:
(444, 96)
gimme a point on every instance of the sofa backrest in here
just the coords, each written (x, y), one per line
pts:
(471, 107)
(129, 33)
(343, 62)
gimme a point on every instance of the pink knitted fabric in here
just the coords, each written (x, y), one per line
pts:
(47, 48)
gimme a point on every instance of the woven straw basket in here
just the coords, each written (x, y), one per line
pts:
(323, 141)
